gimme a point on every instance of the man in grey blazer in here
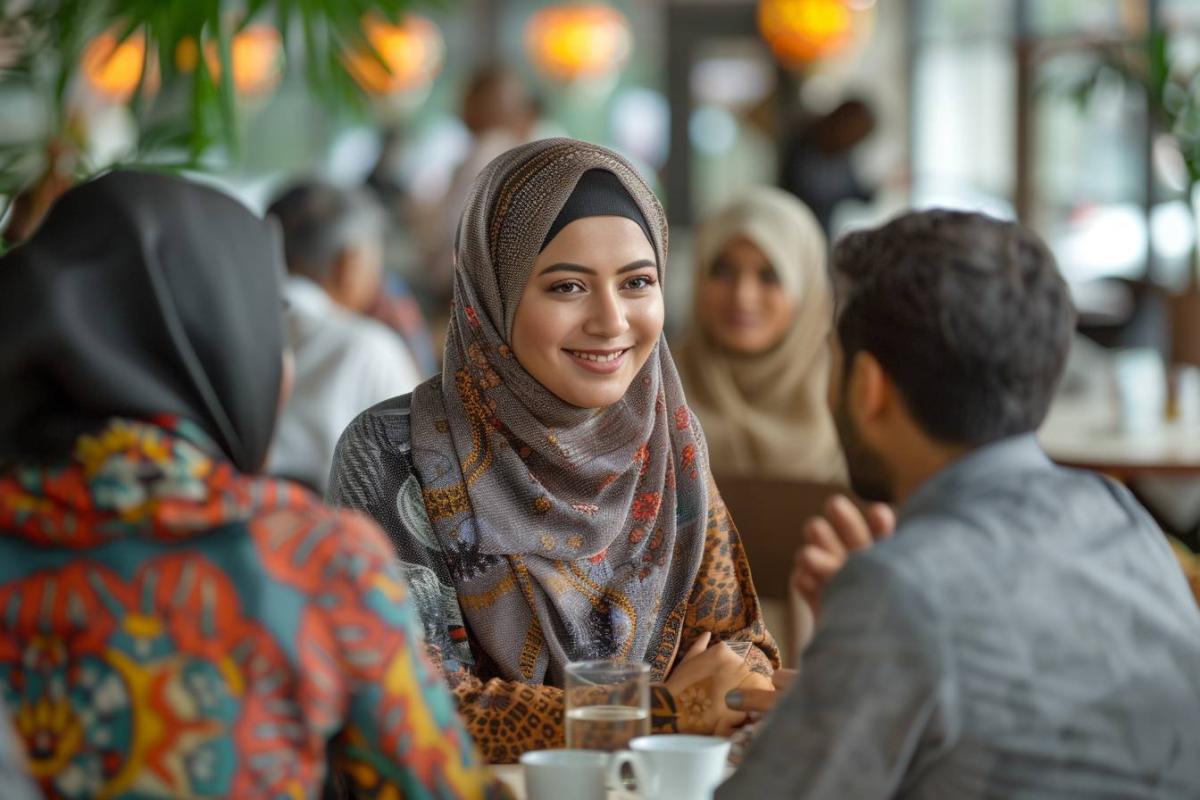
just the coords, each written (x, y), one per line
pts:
(1025, 631)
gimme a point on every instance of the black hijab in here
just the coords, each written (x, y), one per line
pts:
(141, 294)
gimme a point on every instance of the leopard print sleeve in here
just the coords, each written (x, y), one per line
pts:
(507, 718)
(723, 600)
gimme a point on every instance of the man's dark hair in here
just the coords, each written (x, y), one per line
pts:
(968, 315)
(320, 222)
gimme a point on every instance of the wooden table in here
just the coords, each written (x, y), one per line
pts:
(1088, 436)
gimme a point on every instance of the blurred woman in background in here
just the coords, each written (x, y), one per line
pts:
(755, 359)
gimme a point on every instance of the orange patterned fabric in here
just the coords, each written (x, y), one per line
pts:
(176, 628)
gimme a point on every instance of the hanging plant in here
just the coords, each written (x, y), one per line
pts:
(147, 54)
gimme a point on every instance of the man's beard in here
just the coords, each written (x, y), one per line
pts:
(869, 475)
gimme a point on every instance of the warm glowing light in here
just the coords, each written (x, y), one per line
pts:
(802, 31)
(578, 41)
(257, 54)
(411, 55)
(113, 68)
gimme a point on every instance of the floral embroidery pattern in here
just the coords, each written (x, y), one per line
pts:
(687, 460)
(646, 505)
(642, 458)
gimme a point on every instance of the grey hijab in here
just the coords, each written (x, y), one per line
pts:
(570, 533)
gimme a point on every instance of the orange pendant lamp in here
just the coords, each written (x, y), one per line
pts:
(257, 54)
(411, 53)
(582, 40)
(113, 68)
(800, 32)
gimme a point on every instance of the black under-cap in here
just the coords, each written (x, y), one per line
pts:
(599, 193)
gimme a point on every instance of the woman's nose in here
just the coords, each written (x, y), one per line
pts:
(745, 293)
(606, 315)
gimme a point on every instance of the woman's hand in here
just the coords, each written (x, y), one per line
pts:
(699, 684)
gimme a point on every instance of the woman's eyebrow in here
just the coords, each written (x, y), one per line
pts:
(631, 266)
(566, 266)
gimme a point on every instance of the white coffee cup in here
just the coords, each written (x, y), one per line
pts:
(673, 766)
(560, 774)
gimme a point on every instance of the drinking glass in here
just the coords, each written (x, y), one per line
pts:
(607, 704)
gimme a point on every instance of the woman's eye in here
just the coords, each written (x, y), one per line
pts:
(640, 282)
(567, 287)
(769, 276)
(721, 271)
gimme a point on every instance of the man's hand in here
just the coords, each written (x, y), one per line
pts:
(829, 539)
(761, 700)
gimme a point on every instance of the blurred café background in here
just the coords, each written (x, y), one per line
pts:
(1081, 118)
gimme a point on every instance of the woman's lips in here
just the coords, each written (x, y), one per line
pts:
(601, 362)
(741, 320)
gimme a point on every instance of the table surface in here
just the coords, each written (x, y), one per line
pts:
(512, 777)
(1088, 435)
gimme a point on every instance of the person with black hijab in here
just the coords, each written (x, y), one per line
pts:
(175, 624)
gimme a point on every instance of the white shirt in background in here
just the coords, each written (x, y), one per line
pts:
(345, 363)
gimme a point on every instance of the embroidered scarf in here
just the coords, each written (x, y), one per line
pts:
(570, 533)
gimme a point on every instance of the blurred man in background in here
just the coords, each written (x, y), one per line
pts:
(345, 361)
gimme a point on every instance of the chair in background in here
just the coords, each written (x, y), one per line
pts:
(769, 514)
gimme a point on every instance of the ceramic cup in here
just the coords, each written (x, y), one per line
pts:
(575, 774)
(672, 767)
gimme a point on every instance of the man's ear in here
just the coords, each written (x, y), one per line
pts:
(872, 390)
(341, 272)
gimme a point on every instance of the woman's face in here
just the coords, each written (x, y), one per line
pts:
(591, 312)
(740, 302)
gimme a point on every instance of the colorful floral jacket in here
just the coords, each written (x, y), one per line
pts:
(170, 627)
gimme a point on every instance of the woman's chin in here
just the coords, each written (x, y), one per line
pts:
(593, 397)
(743, 344)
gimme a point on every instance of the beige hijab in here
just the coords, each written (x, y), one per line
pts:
(766, 414)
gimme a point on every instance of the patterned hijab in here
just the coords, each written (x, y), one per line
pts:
(766, 414)
(570, 533)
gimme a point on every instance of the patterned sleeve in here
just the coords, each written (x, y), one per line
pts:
(723, 600)
(508, 718)
(400, 735)
(372, 473)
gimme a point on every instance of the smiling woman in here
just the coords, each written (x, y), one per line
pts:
(584, 330)
(549, 493)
